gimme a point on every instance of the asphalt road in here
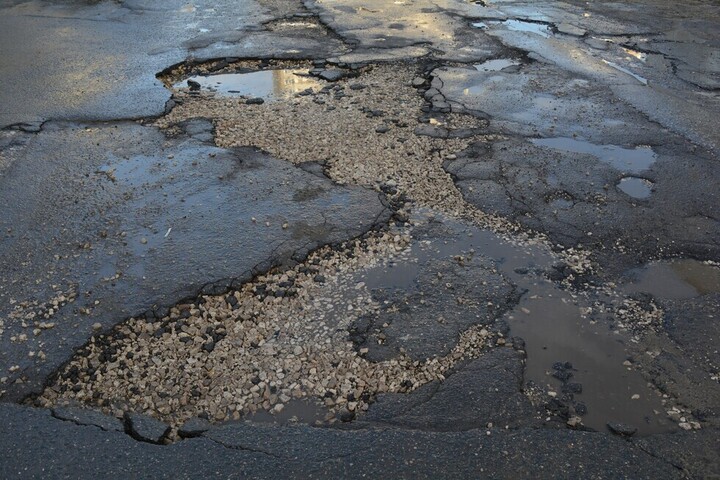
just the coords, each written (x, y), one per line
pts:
(555, 271)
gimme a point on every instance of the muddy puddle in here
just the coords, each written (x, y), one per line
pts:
(551, 322)
(675, 279)
(306, 411)
(265, 84)
(635, 187)
(630, 160)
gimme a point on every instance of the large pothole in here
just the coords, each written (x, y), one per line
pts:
(286, 336)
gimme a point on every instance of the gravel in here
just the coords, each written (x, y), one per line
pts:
(266, 348)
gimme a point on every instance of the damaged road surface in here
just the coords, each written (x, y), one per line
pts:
(411, 239)
(156, 221)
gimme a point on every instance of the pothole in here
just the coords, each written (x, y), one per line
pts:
(675, 279)
(266, 84)
(631, 160)
(284, 337)
(598, 384)
(635, 187)
(277, 340)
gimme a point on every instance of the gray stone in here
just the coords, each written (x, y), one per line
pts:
(622, 429)
(332, 75)
(430, 93)
(418, 82)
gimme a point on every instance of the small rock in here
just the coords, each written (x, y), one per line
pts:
(431, 93)
(97, 326)
(382, 129)
(194, 86)
(441, 105)
(574, 422)
(358, 86)
(346, 415)
(331, 75)
(254, 101)
(418, 82)
(622, 429)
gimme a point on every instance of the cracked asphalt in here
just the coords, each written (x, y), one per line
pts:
(318, 239)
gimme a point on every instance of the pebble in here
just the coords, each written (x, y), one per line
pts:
(574, 421)
(622, 429)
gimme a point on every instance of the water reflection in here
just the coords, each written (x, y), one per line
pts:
(675, 279)
(267, 84)
(633, 160)
(635, 187)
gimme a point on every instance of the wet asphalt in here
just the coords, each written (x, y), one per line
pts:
(604, 140)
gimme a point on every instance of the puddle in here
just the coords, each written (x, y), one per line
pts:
(635, 187)
(550, 321)
(305, 411)
(496, 65)
(555, 331)
(267, 84)
(675, 279)
(529, 27)
(631, 160)
(518, 26)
